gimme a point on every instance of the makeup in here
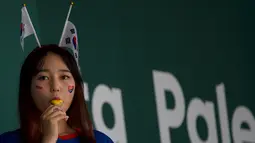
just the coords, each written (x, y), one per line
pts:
(70, 88)
(38, 87)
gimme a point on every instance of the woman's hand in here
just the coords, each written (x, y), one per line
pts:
(49, 123)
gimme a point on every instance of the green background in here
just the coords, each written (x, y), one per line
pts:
(201, 42)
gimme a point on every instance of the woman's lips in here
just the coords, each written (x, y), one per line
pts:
(56, 98)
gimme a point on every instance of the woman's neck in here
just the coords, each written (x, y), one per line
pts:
(64, 128)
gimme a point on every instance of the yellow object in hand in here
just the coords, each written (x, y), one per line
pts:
(56, 102)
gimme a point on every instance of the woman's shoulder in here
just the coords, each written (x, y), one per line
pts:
(10, 136)
(101, 137)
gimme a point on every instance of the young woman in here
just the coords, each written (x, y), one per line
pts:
(50, 72)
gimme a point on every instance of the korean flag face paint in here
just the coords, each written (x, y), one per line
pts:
(38, 87)
(70, 88)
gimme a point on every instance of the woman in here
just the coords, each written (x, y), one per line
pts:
(48, 73)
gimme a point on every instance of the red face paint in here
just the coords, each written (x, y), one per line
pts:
(38, 87)
(70, 88)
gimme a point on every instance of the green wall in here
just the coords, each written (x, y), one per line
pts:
(202, 43)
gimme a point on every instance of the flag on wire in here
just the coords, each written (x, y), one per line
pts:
(26, 27)
(69, 37)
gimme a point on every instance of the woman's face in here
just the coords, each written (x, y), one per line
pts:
(53, 80)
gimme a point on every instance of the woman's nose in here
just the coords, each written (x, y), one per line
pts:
(55, 86)
(55, 89)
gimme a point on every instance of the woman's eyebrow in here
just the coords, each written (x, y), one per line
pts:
(44, 70)
(64, 70)
(61, 70)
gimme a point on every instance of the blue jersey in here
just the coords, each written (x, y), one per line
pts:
(14, 137)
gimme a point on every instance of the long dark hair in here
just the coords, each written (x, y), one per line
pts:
(28, 112)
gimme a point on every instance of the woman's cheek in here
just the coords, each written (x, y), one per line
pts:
(70, 89)
(40, 95)
(40, 87)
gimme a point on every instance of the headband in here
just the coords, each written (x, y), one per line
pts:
(68, 38)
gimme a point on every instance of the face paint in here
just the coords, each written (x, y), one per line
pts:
(70, 89)
(38, 87)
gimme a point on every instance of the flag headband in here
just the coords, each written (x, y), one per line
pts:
(69, 37)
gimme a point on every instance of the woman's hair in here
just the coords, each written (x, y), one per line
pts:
(28, 112)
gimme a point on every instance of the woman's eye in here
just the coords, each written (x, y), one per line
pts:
(43, 78)
(65, 77)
